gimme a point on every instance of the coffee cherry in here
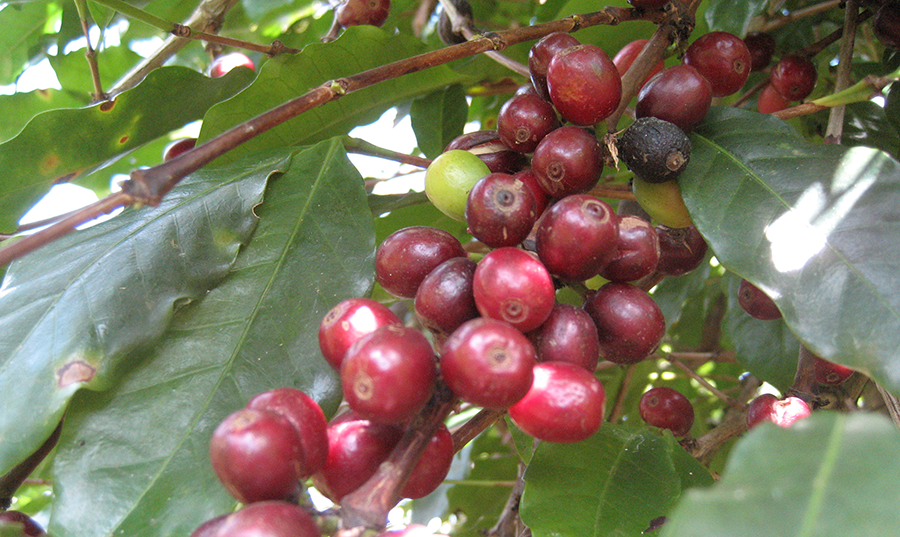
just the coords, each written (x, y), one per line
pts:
(637, 251)
(626, 56)
(829, 373)
(530, 179)
(226, 62)
(407, 256)
(348, 322)
(794, 77)
(666, 408)
(450, 177)
(540, 55)
(178, 147)
(356, 448)
(679, 95)
(564, 404)
(524, 120)
(681, 250)
(490, 149)
(757, 303)
(577, 237)
(388, 375)
(770, 101)
(584, 84)
(432, 468)
(567, 161)
(761, 46)
(360, 12)
(262, 519)
(723, 59)
(501, 210)
(568, 335)
(662, 201)
(257, 455)
(488, 363)
(445, 300)
(30, 528)
(629, 323)
(655, 150)
(886, 24)
(511, 285)
(307, 418)
(784, 412)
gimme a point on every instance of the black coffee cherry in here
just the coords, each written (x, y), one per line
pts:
(654, 149)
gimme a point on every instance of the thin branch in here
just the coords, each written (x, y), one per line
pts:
(90, 54)
(793, 16)
(362, 147)
(475, 426)
(12, 480)
(842, 77)
(616, 411)
(703, 382)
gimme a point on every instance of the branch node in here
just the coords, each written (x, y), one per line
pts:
(339, 86)
(180, 30)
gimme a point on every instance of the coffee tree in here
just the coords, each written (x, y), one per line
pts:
(648, 286)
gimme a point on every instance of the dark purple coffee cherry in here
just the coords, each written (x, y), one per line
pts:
(500, 210)
(178, 147)
(567, 161)
(307, 418)
(540, 55)
(681, 250)
(886, 24)
(511, 285)
(629, 323)
(349, 321)
(362, 12)
(30, 528)
(794, 77)
(679, 95)
(761, 46)
(666, 408)
(757, 303)
(488, 363)
(577, 237)
(568, 335)
(637, 251)
(445, 299)
(723, 59)
(524, 120)
(530, 179)
(406, 256)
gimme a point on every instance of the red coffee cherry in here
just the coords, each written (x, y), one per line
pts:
(584, 84)
(626, 56)
(30, 528)
(488, 363)
(761, 46)
(348, 322)
(723, 59)
(360, 12)
(445, 300)
(681, 250)
(567, 161)
(784, 412)
(530, 179)
(679, 95)
(406, 256)
(511, 285)
(770, 101)
(565, 404)
(666, 408)
(226, 62)
(524, 120)
(829, 373)
(757, 303)
(433, 466)
(794, 77)
(500, 210)
(637, 251)
(540, 55)
(568, 335)
(307, 418)
(262, 519)
(178, 147)
(629, 323)
(577, 237)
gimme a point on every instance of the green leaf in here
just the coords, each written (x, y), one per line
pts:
(438, 118)
(828, 475)
(18, 108)
(134, 460)
(733, 16)
(617, 481)
(61, 144)
(816, 227)
(868, 124)
(22, 23)
(74, 311)
(288, 76)
(74, 75)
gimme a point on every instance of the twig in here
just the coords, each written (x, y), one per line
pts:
(362, 147)
(892, 404)
(805, 377)
(810, 11)
(616, 411)
(474, 426)
(508, 523)
(12, 480)
(733, 424)
(90, 54)
(620, 192)
(842, 77)
(703, 382)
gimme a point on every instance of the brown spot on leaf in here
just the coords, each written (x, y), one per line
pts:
(123, 139)
(73, 372)
(106, 106)
(50, 163)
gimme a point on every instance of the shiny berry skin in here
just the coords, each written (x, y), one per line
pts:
(577, 237)
(565, 404)
(501, 210)
(488, 363)
(445, 300)
(761, 46)
(540, 55)
(262, 519)
(723, 59)
(178, 147)
(433, 466)
(511, 285)
(666, 408)
(637, 251)
(530, 179)
(257, 455)
(770, 101)
(226, 62)
(627, 54)
(794, 77)
(567, 161)
(782, 412)
(356, 448)
(568, 335)
(307, 418)
(30, 528)
(829, 373)
(348, 322)
(388, 375)
(757, 303)
(407, 256)
(679, 95)
(450, 177)
(886, 24)
(584, 84)
(630, 324)
(360, 12)
(681, 250)
(524, 120)
(662, 201)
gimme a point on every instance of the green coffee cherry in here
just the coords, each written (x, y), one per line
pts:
(450, 177)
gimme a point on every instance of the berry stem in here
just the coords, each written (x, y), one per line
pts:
(616, 411)
(362, 147)
(90, 53)
(809, 11)
(474, 426)
(703, 382)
